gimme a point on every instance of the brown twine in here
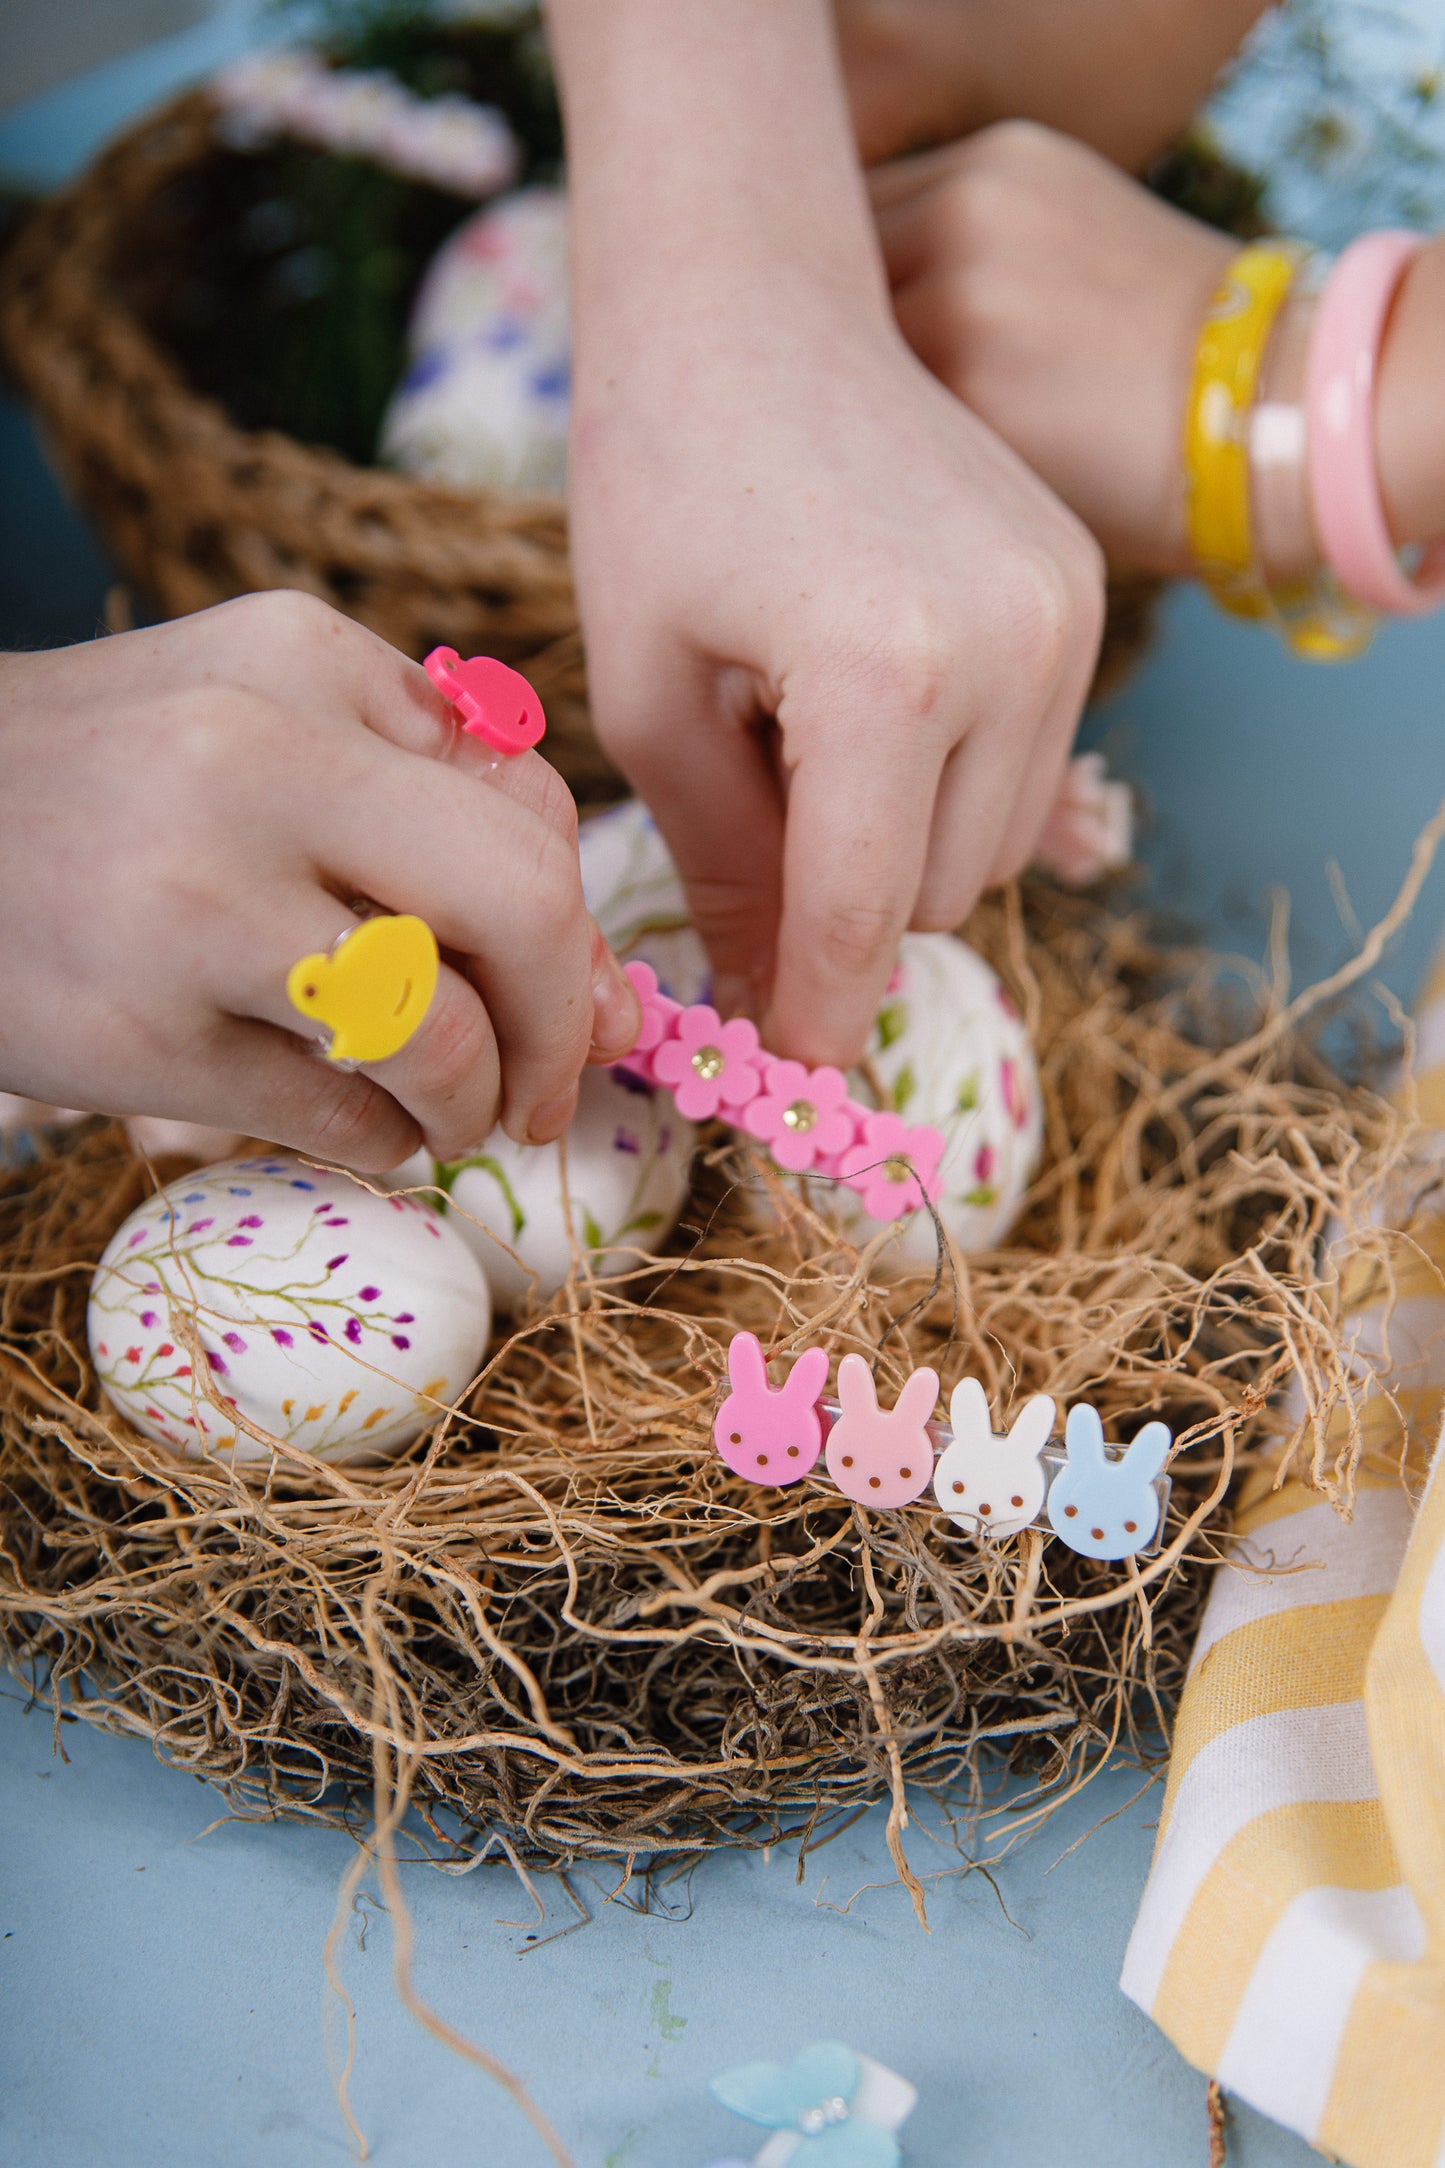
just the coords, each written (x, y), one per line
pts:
(604, 1643)
(560, 1624)
(195, 509)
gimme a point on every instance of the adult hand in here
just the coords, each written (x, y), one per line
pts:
(1063, 302)
(1122, 75)
(838, 635)
(186, 811)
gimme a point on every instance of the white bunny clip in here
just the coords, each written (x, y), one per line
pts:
(987, 1484)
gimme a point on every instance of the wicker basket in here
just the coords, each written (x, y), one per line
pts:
(195, 509)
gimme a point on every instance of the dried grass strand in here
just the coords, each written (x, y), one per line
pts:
(596, 1641)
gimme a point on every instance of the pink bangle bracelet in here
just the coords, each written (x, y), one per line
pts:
(1341, 382)
(718, 1070)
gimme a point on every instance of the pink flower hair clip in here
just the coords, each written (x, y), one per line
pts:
(659, 1013)
(804, 1116)
(894, 1165)
(707, 1065)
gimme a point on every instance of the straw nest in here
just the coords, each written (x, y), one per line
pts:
(561, 1617)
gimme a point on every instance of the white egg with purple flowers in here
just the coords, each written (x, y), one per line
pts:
(528, 1211)
(291, 1299)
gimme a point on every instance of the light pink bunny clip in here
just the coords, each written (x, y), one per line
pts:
(877, 1456)
(767, 1436)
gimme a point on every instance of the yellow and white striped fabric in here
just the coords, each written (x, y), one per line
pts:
(1291, 1940)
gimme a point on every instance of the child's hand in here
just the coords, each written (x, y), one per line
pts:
(825, 538)
(779, 519)
(1063, 302)
(1124, 75)
(187, 811)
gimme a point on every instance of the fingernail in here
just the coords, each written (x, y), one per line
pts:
(616, 1014)
(732, 994)
(550, 1119)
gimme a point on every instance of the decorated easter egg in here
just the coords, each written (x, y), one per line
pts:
(634, 893)
(483, 403)
(950, 1049)
(268, 1293)
(627, 1165)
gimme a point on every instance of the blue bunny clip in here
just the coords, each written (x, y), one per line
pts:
(812, 2097)
(1106, 1508)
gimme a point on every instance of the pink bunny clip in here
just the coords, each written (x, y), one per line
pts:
(877, 1456)
(767, 1436)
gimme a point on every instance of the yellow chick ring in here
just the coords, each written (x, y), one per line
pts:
(372, 991)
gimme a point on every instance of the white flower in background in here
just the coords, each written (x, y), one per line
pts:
(449, 141)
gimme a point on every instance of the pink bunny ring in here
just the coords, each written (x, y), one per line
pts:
(768, 1436)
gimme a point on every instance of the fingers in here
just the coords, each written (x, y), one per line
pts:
(302, 653)
(971, 816)
(1042, 777)
(714, 791)
(899, 183)
(992, 806)
(447, 1077)
(500, 888)
(416, 816)
(398, 701)
(919, 207)
(616, 1012)
(857, 831)
(263, 1082)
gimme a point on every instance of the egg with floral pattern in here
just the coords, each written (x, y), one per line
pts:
(484, 401)
(634, 893)
(527, 1210)
(267, 1296)
(950, 1049)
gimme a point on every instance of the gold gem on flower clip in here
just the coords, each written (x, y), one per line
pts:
(804, 1116)
(1103, 1501)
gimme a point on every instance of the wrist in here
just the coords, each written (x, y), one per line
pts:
(708, 147)
(1409, 417)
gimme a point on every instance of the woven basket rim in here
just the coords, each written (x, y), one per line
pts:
(89, 215)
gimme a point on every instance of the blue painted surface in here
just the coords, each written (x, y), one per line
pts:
(49, 139)
(1259, 772)
(161, 1989)
(161, 1993)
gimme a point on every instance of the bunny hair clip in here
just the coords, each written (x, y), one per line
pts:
(718, 1070)
(1105, 1502)
(827, 2108)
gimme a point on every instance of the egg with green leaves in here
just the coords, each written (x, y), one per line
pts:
(949, 1048)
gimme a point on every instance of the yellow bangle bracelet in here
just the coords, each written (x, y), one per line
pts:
(1222, 387)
